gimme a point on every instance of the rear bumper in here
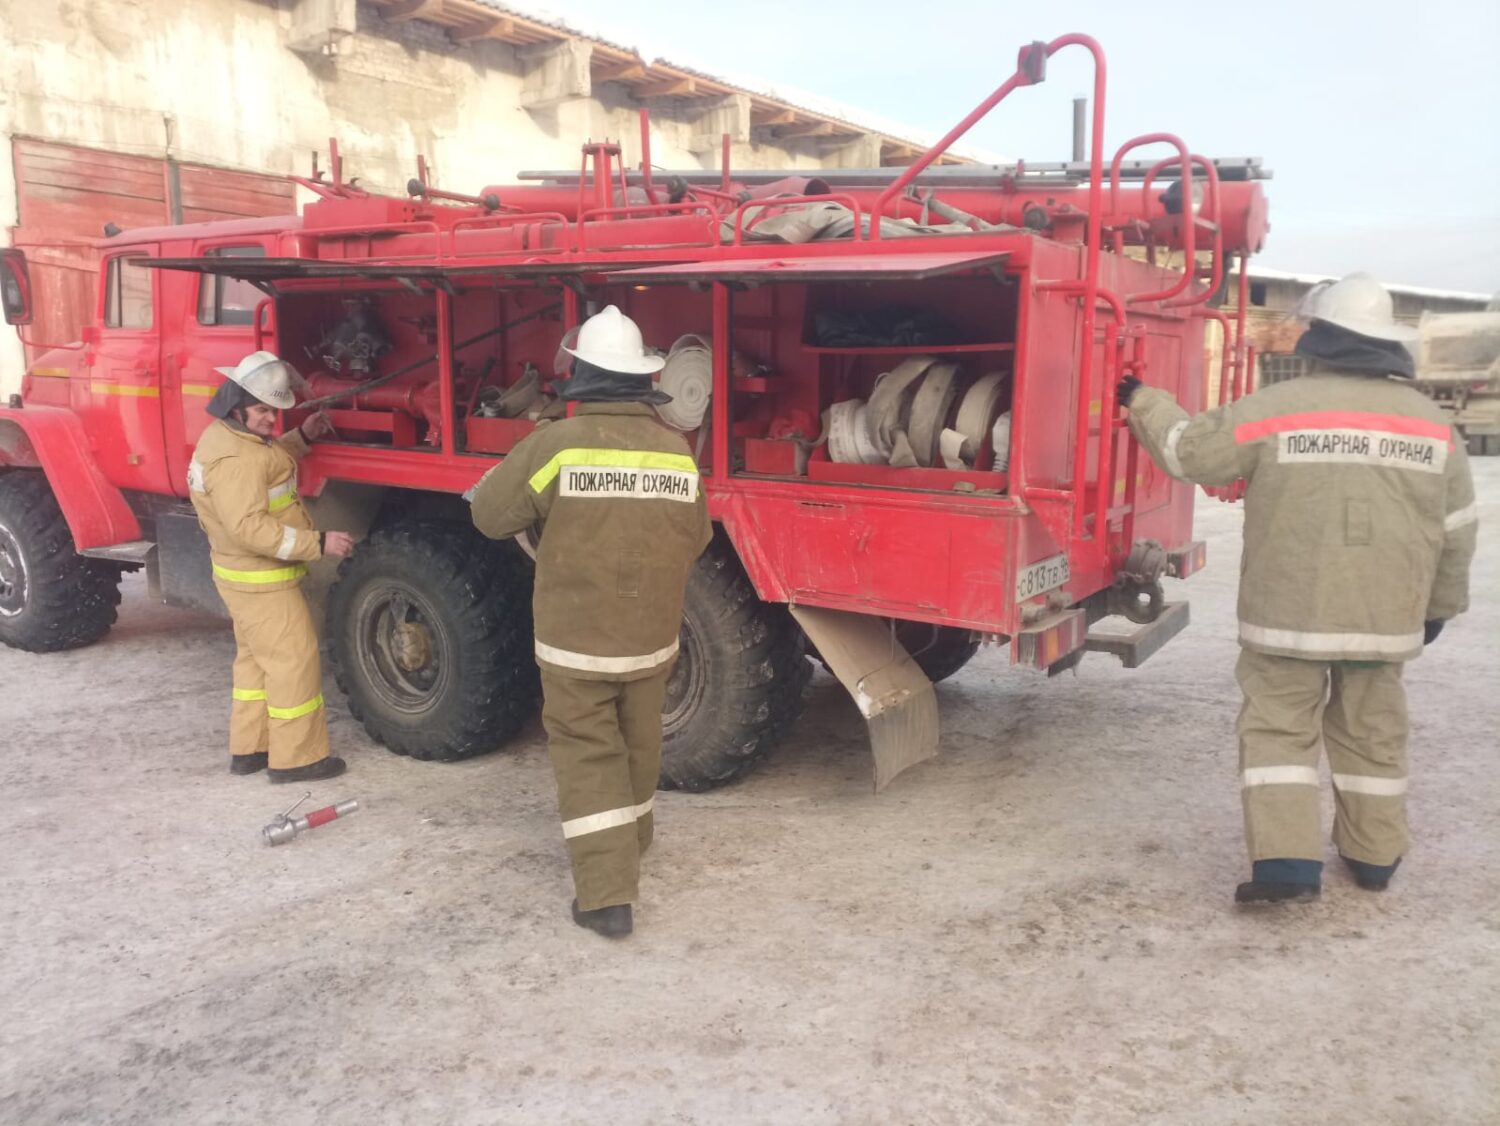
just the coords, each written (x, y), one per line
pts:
(1137, 644)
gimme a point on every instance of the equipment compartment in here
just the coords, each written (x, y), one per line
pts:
(809, 361)
(369, 355)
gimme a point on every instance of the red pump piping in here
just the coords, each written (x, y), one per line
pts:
(1189, 208)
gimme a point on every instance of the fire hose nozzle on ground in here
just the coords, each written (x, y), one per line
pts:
(285, 827)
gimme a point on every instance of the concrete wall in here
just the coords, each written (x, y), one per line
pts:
(215, 82)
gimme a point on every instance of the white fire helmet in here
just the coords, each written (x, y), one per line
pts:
(267, 377)
(610, 340)
(1359, 303)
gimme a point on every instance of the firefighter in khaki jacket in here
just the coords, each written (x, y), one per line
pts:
(622, 517)
(243, 485)
(1359, 529)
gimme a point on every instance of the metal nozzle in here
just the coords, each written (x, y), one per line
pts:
(284, 828)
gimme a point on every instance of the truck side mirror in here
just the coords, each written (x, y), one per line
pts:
(15, 286)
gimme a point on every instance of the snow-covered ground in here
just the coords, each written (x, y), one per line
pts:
(1034, 928)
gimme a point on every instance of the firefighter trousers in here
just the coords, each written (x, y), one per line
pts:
(1357, 710)
(278, 680)
(604, 738)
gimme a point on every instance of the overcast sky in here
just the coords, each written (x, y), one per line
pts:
(1381, 120)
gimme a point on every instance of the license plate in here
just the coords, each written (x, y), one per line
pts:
(1041, 577)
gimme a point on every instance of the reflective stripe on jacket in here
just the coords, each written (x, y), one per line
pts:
(1359, 513)
(623, 518)
(244, 490)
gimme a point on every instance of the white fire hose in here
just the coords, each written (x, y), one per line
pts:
(976, 415)
(689, 378)
(905, 422)
(929, 411)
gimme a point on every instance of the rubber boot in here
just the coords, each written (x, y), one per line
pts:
(611, 922)
(247, 764)
(1371, 877)
(330, 767)
(1281, 881)
(1269, 891)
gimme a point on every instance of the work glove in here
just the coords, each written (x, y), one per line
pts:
(1431, 629)
(315, 427)
(1126, 389)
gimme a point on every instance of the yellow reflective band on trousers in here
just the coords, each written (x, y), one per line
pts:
(276, 659)
(305, 708)
(274, 575)
(625, 459)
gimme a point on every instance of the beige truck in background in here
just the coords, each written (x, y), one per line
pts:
(1458, 365)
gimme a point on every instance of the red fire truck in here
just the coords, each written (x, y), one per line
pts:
(899, 384)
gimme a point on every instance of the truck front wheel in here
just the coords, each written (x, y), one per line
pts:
(430, 631)
(51, 597)
(737, 685)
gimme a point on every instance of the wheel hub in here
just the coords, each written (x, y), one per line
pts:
(687, 684)
(12, 575)
(411, 645)
(402, 647)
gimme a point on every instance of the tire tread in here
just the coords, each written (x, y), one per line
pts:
(767, 669)
(72, 600)
(489, 590)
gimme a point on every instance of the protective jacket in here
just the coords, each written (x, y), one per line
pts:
(622, 516)
(244, 490)
(1360, 518)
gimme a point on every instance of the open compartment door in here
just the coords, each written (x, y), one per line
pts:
(890, 690)
(266, 272)
(886, 266)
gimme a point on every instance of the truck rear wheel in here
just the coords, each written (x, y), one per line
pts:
(940, 651)
(737, 686)
(51, 597)
(430, 630)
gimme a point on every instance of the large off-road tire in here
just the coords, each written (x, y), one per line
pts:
(738, 683)
(429, 630)
(940, 651)
(50, 596)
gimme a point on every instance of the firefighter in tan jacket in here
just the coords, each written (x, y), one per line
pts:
(622, 518)
(1360, 524)
(243, 485)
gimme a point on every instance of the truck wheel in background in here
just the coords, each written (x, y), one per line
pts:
(429, 629)
(737, 686)
(50, 596)
(940, 651)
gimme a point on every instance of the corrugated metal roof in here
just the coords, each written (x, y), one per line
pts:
(797, 113)
(799, 99)
(1265, 273)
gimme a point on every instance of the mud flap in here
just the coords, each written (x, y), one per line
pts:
(891, 691)
(180, 571)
